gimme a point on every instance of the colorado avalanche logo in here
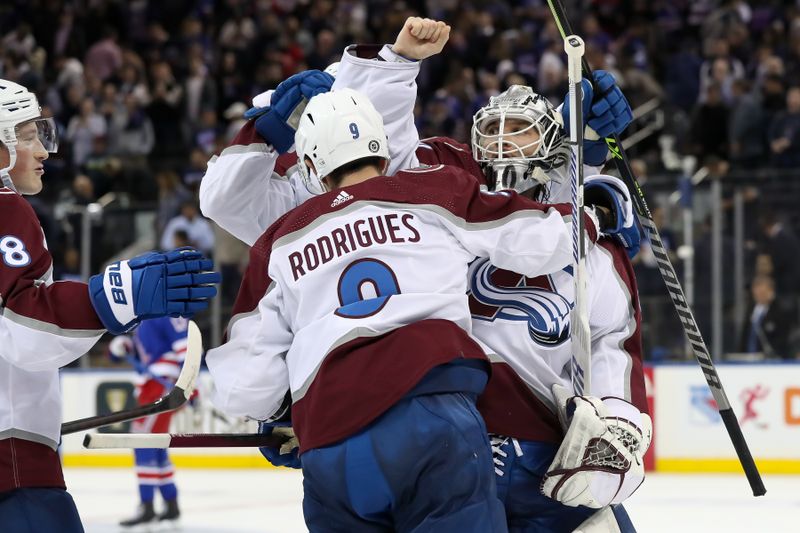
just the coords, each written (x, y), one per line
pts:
(546, 312)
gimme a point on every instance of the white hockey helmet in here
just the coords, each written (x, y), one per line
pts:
(18, 106)
(509, 157)
(337, 128)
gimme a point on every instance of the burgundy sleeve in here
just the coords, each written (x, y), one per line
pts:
(633, 344)
(26, 267)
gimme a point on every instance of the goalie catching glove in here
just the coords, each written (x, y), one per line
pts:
(600, 461)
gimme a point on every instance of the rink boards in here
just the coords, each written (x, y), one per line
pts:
(689, 435)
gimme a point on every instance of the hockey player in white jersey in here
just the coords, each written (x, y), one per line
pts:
(518, 139)
(376, 359)
(390, 83)
(45, 325)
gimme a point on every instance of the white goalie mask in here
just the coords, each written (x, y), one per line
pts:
(517, 138)
(18, 106)
(337, 128)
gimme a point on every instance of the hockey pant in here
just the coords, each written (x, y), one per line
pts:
(424, 466)
(527, 509)
(153, 467)
(37, 509)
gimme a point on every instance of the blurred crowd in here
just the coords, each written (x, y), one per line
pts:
(145, 92)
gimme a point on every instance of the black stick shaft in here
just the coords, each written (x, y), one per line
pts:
(170, 402)
(674, 288)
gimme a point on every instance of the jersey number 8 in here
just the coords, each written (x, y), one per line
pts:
(13, 251)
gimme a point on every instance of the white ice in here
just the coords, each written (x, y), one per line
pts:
(227, 501)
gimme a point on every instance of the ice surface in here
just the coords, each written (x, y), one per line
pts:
(227, 501)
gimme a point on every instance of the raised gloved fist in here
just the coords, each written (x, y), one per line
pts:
(605, 112)
(277, 123)
(288, 453)
(175, 283)
(600, 461)
(610, 192)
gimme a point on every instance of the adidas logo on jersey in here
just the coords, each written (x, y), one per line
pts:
(341, 198)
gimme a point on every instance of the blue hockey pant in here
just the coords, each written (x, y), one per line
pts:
(424, 466)
(34, 510)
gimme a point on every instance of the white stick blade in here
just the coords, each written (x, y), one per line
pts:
(191, 365)
(97, 441)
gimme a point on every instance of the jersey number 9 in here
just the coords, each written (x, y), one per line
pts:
(352, 281)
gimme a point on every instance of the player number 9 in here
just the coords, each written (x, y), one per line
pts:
(354, 130)
(355, 276)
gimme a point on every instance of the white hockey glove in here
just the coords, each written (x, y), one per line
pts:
(600, 462)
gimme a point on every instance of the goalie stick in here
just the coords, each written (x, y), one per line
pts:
(183, 389)
(96, 441)
(674, 288)
(579, 322)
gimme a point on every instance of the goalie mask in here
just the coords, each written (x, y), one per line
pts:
(19, 107)
(517, 138)
(337, 128)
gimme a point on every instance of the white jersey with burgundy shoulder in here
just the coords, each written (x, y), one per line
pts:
(44, 325)
(247, 187)
(354, 296)
(525, 325)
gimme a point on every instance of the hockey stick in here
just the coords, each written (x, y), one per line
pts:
(175, 398)
(95, 441)
(579, 322)
(674, 288)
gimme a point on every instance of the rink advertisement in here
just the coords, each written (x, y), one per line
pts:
(91, 393)
(690, 433)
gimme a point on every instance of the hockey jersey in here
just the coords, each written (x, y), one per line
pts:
(44, 325)
(161, 347)
(350, 299)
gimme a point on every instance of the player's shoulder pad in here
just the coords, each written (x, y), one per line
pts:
(285, 162)
(17, 212)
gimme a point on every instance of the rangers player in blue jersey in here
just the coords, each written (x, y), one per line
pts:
(156, 352)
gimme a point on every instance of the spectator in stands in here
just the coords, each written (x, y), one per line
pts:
(784, 132)
(104, 57)
(83, 129)
(131, 130)
(721, 69)
(746, 127)
(172, 194)
(199, 230)
(780, 243)
(768, 323)
(165, 110)
(709, 129)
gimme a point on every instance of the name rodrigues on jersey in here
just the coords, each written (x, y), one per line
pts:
(361, 233)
